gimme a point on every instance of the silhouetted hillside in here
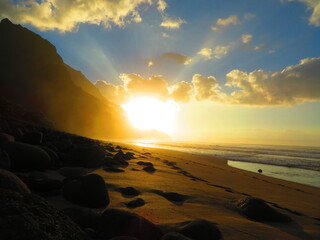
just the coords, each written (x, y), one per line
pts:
(32, 74)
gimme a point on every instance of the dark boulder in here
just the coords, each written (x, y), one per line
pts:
(34, 138)
(5, 162)
(147, 164)
(63, 145)
(201, 230)
(27, 216)
(124, 238)
(73, 172)
(149, 169)
(53, 155)
(4, 137)
(115, 222)
(10, 181)
(87, 156)
(139, 202)
(129, 191)
(174, 236)
(259, 210)
(88, 191)
(26, 156)
(85, 218)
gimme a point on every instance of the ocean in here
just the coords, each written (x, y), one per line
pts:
(299, 164)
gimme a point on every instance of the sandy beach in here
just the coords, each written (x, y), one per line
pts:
(210, 187)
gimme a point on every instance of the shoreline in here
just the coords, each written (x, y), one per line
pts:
(302, 175)
(212, 182)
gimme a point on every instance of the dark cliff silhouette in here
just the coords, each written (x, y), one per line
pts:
(33, 75)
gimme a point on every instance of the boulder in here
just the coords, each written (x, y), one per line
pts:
(85, 218)
(147, 164)
(201, 230)
(174, 236)
(27, 216)
(5, 162)
(149, 169)
(53, 155)
(10, 181)
(4, 137)
(115, 222)
(73, 172)
(87, 156)
(124, 238)
(34, 138)
(63, 145)
(26, 156)
(259, 210)
(139, 202)
(88, 191)
(129, 191)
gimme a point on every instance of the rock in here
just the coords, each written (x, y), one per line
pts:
(10, 181)
(27, 216)
(53, 155)
(129, 191)
(63, 145)
(46, 185)
(72, 172)
(124, 238)
(201, 230)
(173, 196)
(174, 236)
(113, 169)
(87, 156)
(34, 138)
(85, 218)
(37, 175)
(260, 171)
(147, 164)
(120, 156)
(135, 203)
(4, 137)
(115, 222)
(259, 210)
(93, 234)
(88, 191)
(5, 162)
(149, 169)
(26, 156)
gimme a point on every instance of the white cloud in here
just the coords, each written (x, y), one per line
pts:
(231, 20)
(314, 6)
(206, 53)
(165, 35)
(66, 15)
(162, 5)
(206, 88)
(172, 23)
(221, 51)
(246, 38)
(224, 22)
(295, 84)
(177, 58)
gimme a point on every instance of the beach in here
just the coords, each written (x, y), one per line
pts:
(210, 187)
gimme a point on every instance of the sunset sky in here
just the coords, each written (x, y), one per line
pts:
(233, 71)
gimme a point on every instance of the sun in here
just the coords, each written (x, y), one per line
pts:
(149, 113)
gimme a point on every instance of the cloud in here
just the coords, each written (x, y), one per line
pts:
(165, 35)
(134, 85)
(162, 5)
(177, 58)
(206, 53)
(314, 6)
(181, 91)
(66, 16)
(172, 23)
(246, 38)
(206, 88)
(224, 22)
(221, 51)
(293, 85)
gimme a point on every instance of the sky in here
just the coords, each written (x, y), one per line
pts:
(237, 71)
